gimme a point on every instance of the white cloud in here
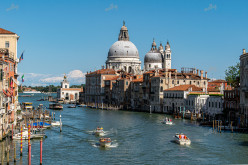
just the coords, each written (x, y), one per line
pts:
(111, 7)
(52, 80)
(12, 7)
(210, 7)
(75, 77)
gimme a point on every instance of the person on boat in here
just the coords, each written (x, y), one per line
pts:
(180, 136)
(185, 137)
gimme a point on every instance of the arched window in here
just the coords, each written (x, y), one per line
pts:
(172, 81)
(129, 69)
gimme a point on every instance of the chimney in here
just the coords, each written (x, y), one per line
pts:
(197, 72)
(201, 74)
(244, 51)
(206, 76)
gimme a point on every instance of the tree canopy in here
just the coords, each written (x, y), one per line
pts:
(233, 75)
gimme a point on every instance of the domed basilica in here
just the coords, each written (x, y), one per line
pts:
(123, 55)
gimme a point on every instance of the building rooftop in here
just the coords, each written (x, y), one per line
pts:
(185, 88)
(102, 71)
(3, 31)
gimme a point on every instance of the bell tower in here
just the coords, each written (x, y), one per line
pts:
(167, 56)
(65, 83)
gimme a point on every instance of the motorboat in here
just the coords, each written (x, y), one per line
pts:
(182, 139)
(167, 121)
(99, 131)
(105, 142)
(72, 106)
(56, 123)
(24, 136)
(55, 106)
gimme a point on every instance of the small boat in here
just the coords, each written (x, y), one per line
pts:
(56, 123)
(27, 106)
(99, 131)
(72, 106)
(182, 139)
(55, 106)
(167, 121)
(24, 136)
(105, 142)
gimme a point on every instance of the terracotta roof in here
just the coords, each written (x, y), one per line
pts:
(184, 88)
(218, 81)
(112, 78)
(138, 80)
(102, 71)
(3, 31)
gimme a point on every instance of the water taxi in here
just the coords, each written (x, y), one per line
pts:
(99, 131)
(105, 142)
(27, 106)
(24, 136)
(182, 139)
(55, 106)
(56, 123)
(167, 121)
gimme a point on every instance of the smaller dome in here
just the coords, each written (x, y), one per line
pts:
(153, 56)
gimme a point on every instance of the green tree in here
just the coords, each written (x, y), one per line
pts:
(233, 75)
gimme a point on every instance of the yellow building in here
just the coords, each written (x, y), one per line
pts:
(9, 40)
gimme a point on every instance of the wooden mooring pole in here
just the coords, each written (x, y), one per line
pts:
(41, 151)
(21, 143)
(14, 152)
(213, 125)
(29, 154)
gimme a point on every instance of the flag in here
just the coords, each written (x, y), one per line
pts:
(22, 78)
(21, 58)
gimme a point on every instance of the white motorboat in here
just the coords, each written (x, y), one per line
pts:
(182, 139)
(56, 123)
(99, 132)
(105, 142)
(24, 136)
(167, 121)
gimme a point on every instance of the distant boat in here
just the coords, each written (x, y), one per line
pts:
(72, 106)
(55, 106)
(31, 92)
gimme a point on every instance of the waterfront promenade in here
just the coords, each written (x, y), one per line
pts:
(139, 138)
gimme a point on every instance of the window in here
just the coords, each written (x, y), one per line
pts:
(149, 65)
(65, 86)
(161, 81)
(6, 44)
(178, 82)
(172, 81)
(190, 82)
(126, 82)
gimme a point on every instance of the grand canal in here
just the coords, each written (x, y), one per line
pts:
(138, 138)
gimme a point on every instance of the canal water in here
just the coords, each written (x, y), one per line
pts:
(138, 138)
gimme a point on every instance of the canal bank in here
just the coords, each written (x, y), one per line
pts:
(140, 138)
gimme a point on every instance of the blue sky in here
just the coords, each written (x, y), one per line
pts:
(61, 36)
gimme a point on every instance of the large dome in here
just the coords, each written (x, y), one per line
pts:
(153, 56)
(123, 49)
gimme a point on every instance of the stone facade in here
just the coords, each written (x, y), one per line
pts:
(244, 88)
